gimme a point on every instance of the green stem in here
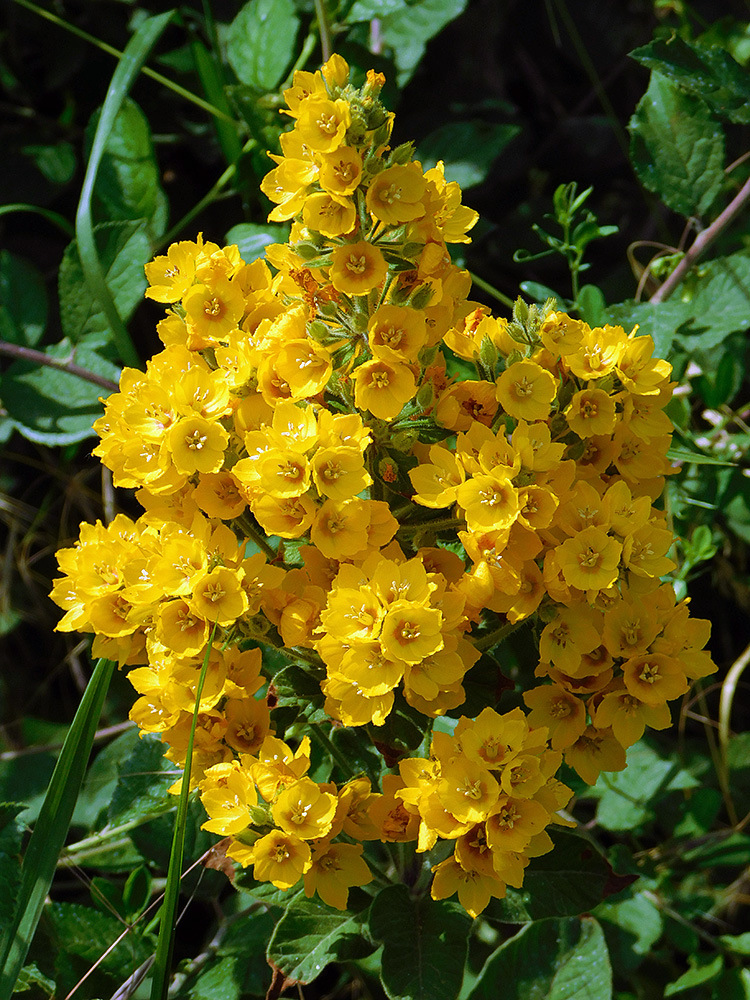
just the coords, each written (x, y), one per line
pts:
(439, 524)
(54, 217)
(491, 290)
(324, 741)
(208, 199)
(112, 51)
(98, 839)
(488, 641)
(168, 912)
(260, 540)
(326, 43)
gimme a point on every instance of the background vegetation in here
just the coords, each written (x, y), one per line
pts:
(648, 105)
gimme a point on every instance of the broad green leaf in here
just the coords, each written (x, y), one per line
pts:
(57, 163)
(366, 10)
(252, 239)
(468, 149)
(128, 182)
(261, 42)
(676, 148)
(11, 836)
(97, 286)
(710, 73)
(593, 306)
(571, 879)
(725, 280)
(51, 406)
(632, 926)
(424, 944)
(51, 829)
(143, 782)
(102, 777)
(703, 969)
(549, 960)
(659, 320)
(123, 248)
(737, 943)
(88, 933)
(23, 301)
(25, 780)
(311, 935)
(625, 797)
(410, 27)
(31, 978)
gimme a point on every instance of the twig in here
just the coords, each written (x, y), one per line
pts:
(38, 357)
(702, 242)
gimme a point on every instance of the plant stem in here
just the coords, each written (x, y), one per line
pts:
(324, 28)
(702, 242)
(324, 741)
(491, 290)
(488, 641)
(40, 358)
(407, 530)
(112, 51)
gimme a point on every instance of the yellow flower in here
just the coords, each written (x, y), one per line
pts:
(590, 559)
(340, 528)
(383, 388)
(560, 712)
(572, 634)
(395, 194)
(628, 717)
(340, 171)
(514, 822)
(654, 678)
(213, 311)
(322, 124)
(218, 596)
(170, 277)
(280, 858)
(467, 790)
(525, 390)
(227, 793)
(411, 632)
(466, 402)
(329, 215)
(474, 889)
(591, 411)
(595, 750)
(490, 503)
(196, 445)
(304, 810)
(357, 268)
(335, 869)
(436, 484)
(397, 333)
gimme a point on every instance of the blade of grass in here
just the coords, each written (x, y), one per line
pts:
(112, 51)
(135, 54)
(54, 217)
(168, 913)
(51, 828)
(209, 73)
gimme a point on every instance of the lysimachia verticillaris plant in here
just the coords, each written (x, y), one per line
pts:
(315, 482)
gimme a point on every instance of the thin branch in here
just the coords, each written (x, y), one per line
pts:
(40, 358)
(703, 241)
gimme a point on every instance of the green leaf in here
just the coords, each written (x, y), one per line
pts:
(57, 163)
(468, 149)
(709, 73)
(128, 182)
(88, 933)
(725, 280)
(626, 796)
(122, 250)
(659, 320)
(30, 978)
(549, 960)
(424, 944)
(737, 943)
(51, 406)
(592, 305)
(143, 783)
(633, 926)
(11, 836)
(128, 67)
(252, 239)
(51, 829)
(23, 301)
(703, 968)
(261, 42)
(410, 27)
(311, 935)
(102, 777)
(676, 148)
(571, 879)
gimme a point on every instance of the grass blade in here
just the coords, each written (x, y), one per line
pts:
(168, 913)
(51, 828)
(135, 54)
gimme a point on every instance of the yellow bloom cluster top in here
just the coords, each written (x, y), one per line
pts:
(314, 480)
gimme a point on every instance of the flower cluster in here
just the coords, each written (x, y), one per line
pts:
(343, 458)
